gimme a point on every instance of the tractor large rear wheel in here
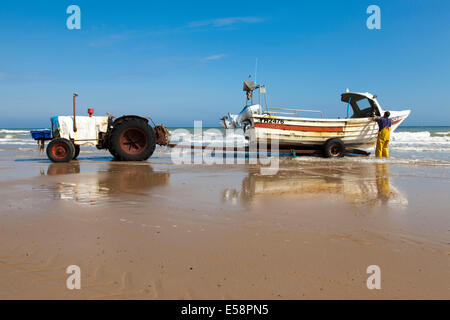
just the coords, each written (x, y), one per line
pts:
(132, 140)
(60, 150)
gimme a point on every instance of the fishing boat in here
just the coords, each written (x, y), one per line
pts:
(333, 136)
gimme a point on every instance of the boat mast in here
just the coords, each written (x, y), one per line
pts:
(256, 83)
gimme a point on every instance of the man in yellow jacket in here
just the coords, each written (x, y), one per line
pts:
(384, 134)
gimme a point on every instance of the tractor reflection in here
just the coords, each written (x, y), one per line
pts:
(119, 182)
(63, 168)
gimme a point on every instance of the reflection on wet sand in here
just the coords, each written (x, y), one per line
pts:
(116, 180)
(362, 185)
(63, 168)
(383, 185)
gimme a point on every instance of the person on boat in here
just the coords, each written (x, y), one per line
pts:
(384, 134)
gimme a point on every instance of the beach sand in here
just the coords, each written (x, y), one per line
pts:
(155, 230)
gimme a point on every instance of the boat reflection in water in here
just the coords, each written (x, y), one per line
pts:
(359, 185)
(119, 182)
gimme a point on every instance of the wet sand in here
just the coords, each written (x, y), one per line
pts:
(156, 230)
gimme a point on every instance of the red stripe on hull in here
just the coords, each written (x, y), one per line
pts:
(298, 128)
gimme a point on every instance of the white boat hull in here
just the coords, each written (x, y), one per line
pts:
(359, 132)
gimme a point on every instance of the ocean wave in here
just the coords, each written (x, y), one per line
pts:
(30, 142)
(16, 140)
(440, 133)
(419, 149)
(15, 131)
(420, 138)
(10, 137)
(16, 137)
(206, 137)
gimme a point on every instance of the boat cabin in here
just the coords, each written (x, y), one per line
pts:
(363, 104)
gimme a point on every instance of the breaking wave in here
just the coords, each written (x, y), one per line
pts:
(423, 141)
(16, 137)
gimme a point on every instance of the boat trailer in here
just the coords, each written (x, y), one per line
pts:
(285, 150)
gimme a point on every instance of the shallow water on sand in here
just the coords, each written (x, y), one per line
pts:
(155, 229)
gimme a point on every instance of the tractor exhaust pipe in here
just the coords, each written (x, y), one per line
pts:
(74, 113)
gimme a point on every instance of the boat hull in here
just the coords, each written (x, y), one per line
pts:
(290, 131)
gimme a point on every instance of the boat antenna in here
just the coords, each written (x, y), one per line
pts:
(256, 84)
(256, 69)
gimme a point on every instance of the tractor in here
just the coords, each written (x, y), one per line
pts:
(128, 138)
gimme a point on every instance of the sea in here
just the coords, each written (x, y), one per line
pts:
(422, 143)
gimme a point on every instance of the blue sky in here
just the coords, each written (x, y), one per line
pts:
(181, 61)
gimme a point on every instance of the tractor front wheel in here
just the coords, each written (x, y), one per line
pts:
(60, 150)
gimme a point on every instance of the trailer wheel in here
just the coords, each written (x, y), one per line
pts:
(132, 140)
(77, 152)
(60, 150)
(334, 148)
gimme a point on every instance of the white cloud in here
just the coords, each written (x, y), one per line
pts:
(190, 27)
(113, 38)
(224, 22)
(215, 57)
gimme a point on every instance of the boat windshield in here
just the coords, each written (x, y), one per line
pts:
(362, 106)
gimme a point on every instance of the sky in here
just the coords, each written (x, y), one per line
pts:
(180, 61)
